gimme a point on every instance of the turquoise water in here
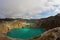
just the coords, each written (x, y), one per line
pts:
(25, 33)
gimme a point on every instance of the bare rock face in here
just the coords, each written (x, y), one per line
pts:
(52, 34)
(4, 37)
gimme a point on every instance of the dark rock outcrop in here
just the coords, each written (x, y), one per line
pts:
(50, 22)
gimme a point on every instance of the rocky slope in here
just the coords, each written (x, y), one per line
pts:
(50, 22)
(52, 34)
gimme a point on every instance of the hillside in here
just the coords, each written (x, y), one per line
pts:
(50, 22)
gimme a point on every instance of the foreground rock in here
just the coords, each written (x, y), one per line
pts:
(52, 34)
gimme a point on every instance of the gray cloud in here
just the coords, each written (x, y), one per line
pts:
(25, 8)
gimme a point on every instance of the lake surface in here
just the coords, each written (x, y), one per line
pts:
(25, 33)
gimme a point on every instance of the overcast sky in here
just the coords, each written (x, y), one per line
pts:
(29, 8)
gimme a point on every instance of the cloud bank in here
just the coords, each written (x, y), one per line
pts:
(28, 9)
